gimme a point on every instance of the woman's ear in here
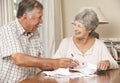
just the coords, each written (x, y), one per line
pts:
(89, 31)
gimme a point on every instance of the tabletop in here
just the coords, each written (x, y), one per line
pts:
(111, 76)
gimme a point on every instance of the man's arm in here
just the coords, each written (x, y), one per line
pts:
(42, 63)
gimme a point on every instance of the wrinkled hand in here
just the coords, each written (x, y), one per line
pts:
(74, 63)
(66, 62)
(104, 65)
(52, 64)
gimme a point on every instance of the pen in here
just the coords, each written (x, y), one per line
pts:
(74, 59)
(72, 55)
(76, 63)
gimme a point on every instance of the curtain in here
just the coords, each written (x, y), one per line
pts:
(51, 30)
(6, 11)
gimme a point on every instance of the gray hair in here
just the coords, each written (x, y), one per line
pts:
(27, 6)
(88, 18)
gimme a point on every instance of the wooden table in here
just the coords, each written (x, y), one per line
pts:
(111, 76)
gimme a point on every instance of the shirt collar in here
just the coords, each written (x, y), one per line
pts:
(88, 52)
(20, 28)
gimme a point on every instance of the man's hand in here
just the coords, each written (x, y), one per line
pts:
(104, 65)
(74, 63)
(65, 63)
(51, 64)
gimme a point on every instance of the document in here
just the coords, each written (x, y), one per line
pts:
(89, 70)
(62, 72)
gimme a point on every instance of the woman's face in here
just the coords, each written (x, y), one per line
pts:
(80, 30)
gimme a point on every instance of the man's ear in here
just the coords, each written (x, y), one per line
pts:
(25, 15)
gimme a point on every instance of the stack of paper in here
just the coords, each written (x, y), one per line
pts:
(60, 71)
(89, 70)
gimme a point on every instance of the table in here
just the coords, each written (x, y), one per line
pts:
(111, 76)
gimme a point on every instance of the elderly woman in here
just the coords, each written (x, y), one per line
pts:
(83, 47)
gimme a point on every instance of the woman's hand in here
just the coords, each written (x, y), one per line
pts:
(104, 65)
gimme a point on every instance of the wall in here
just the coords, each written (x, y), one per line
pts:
(110, 9)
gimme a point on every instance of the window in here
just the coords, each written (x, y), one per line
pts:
(16, 2)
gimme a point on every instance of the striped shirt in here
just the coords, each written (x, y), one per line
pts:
(13, 39)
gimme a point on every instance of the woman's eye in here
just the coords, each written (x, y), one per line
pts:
(74, 24)
(79, 26)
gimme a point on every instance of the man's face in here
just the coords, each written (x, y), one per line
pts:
(33, 19)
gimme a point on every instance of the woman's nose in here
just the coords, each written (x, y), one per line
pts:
(75, 27)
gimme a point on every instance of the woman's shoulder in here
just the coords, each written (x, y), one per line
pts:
(67, 39)
(100, 42)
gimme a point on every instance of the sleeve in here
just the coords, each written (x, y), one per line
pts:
(9, 43)
(62, 49)
(107, 56)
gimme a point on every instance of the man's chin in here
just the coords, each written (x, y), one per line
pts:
(34, 29)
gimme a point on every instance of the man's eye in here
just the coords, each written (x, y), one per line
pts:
(40, 17)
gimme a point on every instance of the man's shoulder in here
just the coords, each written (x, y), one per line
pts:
(8, 27)
(9, 24)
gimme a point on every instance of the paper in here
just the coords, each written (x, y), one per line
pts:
(60, 71)
(88, 71)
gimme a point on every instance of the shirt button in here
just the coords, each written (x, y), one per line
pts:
(83, 63)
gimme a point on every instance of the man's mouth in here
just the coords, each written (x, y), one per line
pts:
(36, 26)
